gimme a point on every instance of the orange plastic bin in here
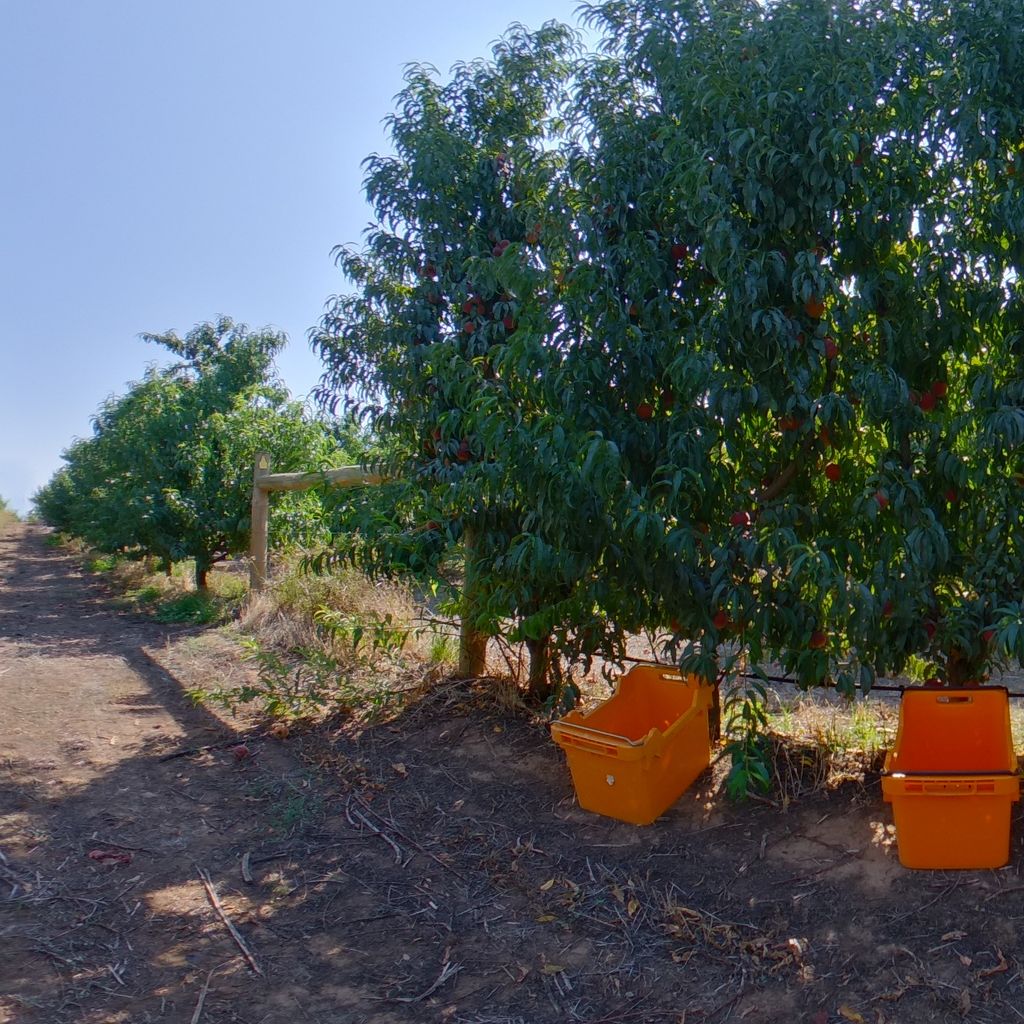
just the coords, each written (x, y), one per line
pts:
(952, 779)
(632, 757)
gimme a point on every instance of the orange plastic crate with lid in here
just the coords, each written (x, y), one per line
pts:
(633, 756)
(952, 778)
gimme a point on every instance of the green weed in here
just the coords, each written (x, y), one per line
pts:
(200, 609)
(102, 563)
(293, 812)
(291, 805)
(864, 729)
(857, 725)
(745, 721)
(352, 631)
(228, 587)
(444, 649)
(310, 682)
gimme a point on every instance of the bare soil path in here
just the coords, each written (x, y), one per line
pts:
(434, 868)
(103, 916)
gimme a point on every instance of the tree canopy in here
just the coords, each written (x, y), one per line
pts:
(717, 329)
(167, 471)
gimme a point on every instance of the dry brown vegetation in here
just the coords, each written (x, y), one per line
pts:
(7, 515)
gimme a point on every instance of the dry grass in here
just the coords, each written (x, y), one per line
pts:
(819, 741)
(7, 515)
(863, 725)
(286, 615)
(131, 577)
(1017, 725)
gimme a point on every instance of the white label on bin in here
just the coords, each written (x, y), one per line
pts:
(610, 779)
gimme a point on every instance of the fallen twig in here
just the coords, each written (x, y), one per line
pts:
(412, 842)
(308, 851)
(198, 1011)
(373, 828)
(246, 873)
(1003, 892)
(646, 1015)
(924, 906)
(189, 751)
(239, 941)
(820, 871)
(448, 970)
(376, 917)
(725, 1006)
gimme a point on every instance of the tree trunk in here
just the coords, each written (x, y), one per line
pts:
(538, 684)
(472, 643)
(202, 568)
(472, 652)
(715, 713)
(960, 671)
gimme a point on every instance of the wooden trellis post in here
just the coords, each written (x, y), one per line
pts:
(258, 539)
(472, 645)
(263, 482)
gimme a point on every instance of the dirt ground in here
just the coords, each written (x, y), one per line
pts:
(434, 868)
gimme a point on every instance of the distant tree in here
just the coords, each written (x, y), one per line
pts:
(168, 470)
(7, 514)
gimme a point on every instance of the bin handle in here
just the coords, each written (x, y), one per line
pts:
(950, 788)
(574, 727)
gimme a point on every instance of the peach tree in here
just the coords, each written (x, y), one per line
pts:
(167, 470)
(716, 330)
(449, 345)
(804, 242)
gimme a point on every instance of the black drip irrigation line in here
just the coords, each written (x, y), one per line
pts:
(883, 687)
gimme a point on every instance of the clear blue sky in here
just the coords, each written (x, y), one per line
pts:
(166, 163)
